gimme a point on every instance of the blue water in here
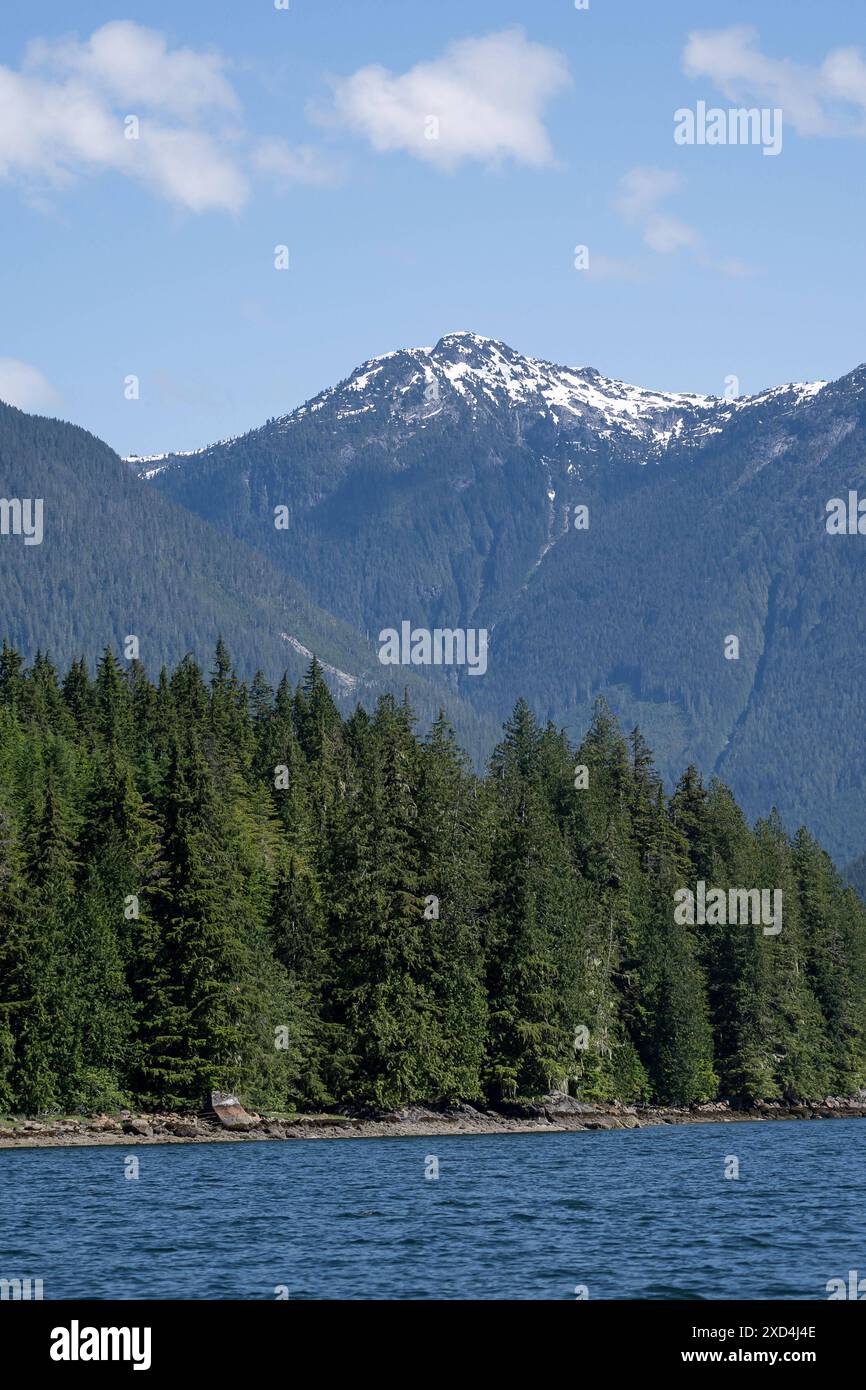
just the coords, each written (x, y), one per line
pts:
(629, 1214)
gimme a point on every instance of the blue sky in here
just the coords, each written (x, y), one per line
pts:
(261, 127)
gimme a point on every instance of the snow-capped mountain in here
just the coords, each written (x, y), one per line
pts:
(442, 486)
(465, 372)
(483, 372)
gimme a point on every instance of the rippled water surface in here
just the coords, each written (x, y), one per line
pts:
(630, 1214)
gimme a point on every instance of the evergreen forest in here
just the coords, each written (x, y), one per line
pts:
(208, 883)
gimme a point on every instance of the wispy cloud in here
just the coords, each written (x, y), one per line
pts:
(25, 386)
(603, 267)
(828, 100)
(640, 198)
(482, 100)
(641, 192)
(288, 164)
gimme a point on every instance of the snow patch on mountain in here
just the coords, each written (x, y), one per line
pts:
(150, 465)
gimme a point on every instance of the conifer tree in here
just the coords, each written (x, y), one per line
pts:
(453, 842)
(835, 960)
(211, 1007)
(380, 993)
(533, 944)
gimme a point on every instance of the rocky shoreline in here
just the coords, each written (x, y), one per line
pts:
(551, 1115)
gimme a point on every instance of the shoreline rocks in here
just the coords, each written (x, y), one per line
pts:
(555, 1113)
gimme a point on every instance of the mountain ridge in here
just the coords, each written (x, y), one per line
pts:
(116, 561)
(439, 486)
(446, 364)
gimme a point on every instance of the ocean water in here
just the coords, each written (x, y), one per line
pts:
(624, 1214)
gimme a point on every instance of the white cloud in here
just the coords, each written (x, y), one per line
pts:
(62, 117)
(825, 100)
(482, 99)
(843, 75)
(135, 65)
(25, 386)
(188, 167)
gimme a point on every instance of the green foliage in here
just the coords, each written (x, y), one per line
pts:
(204, 885)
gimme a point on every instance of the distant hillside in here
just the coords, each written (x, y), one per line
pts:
(117, 560)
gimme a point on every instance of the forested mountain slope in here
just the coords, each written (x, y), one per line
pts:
(116, 560)
(440, 486)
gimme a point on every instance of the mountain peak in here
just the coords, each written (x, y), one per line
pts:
(486, 374)
(465, 341)
(465, 371)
